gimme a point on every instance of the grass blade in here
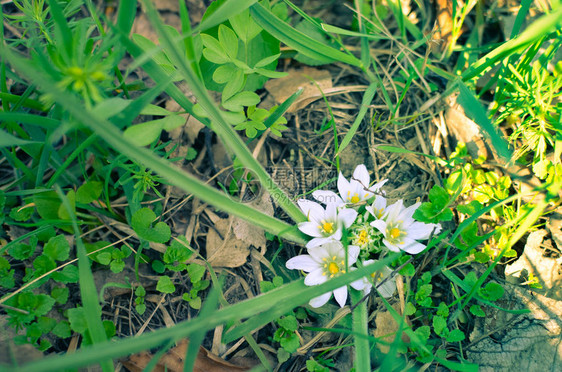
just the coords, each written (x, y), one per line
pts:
(297, 40)
(176, 177)
(367, 99)
(88, 292)
(477, 113)
(218, 124)
(286, 297)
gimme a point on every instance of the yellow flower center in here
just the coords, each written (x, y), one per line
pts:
(355, 199)
(363, 237)
(328, 227)
(332, 267)
(394, 233)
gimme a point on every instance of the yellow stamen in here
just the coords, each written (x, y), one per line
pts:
(355, 199)
(328, 227)
(394, 233)
(333, 268)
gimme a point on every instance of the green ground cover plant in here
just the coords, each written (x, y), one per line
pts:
(91, 171)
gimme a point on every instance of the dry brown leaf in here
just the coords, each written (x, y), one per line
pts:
(385, 325)
(444, 10)
(307, 78)
(229, 241)
(173, 361)
(464, 129)
(533, 261)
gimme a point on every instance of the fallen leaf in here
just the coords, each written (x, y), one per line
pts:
(547, 270)
(307, 78)
(229, 241)
(464, 129)
(173, 361)
(386, 328)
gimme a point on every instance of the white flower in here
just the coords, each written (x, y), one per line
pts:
(351, 192)
(324, 262)
(401, 231)
(324, 225)
(378, 208)
(386, 289)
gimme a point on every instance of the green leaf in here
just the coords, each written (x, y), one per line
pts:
(195, 303)
(234, 85)
(88, 192)
(410, 309)
(443, 310)
(439, 324)
(408, 270)
(21, 251)
(142, 223)
(195, 272)
(117, 266)
(224, 73)
(290, 343)
(267, 60)
(57, 248)
(214, 51)
(69, 274)
(47, 204)
(60, 295)
(154, 110)
(165, 285)
(239, 100)
(77, 319)
(145, 133)
(62, 329)
(289, 323)
(477, 310)
(43, 264)
(140, 308)
(191, 154)
(246, 28)
(423, 332)
(229, 41)
(492, 291)
(21, 214)
(8, 140)
(455, 335)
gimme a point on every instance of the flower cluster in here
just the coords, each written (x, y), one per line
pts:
(372, 228)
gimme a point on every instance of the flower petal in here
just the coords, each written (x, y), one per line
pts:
(391, 246)
(411, 246)
(315, 277)
(303, 262)
(312, 210)
(420, 230)
(318, 241)
(331, 213)
(361, 174)
(343, 186)
(380, 225)
(352, 254)
(310, 228)
(388, 288)
(406, 214)
(377, 186)
(320, 300)
(360, 284)
(319, 252)
(340, 295)
(327, 197)
(347, 216)
(393, 211)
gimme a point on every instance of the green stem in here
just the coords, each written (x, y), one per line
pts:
(360, 333)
